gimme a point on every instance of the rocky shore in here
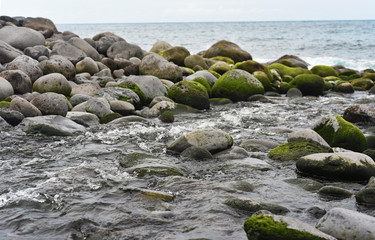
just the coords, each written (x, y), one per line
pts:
(56, 83)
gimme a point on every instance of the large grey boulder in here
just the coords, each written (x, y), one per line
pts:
(67, 50)
(342, 165)
(8, 53)
(157, 66)
(25, 107)
(213, 140)
(21, 37)
(104, 43)
(51, 103)
(52, 125)
(27, 65)
(6, 89)
(122, 107)
(19, 80)
(54, 82)
(58, 64)
(347, 224)
(89, 89)
(211, 79)
(308, 135)
(85, 47)
(123, 49)
(116, 93)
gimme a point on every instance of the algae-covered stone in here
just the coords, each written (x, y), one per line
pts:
(308, 135)
(309, 84)
(251, 66)
(336, 192)
(324, 71)
(227, 49)
(347, 224)
(190, 93)
(367, 195)
(195, 60)
(344, 87)
(196, 153)
(205, 83)
(342, 165)
(251, 206)
(263, 78)
(54, 82)
(213, 140)
(364, 83)
(160, 46)
(223, 59)
(340, 133)
(176, 55)
(109, 117)
(292, 151)
(220, 67)
(291, 71)
(211, 79)
(167, 117)
(237, 85)
(291, 61)
(274, 227)
(306, 184)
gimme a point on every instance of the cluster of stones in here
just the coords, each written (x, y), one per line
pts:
(58, 84)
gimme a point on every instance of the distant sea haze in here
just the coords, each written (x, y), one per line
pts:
(349, 43)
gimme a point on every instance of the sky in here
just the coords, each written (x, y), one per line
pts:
(140, 11)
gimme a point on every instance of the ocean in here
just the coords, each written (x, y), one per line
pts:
(349, 43)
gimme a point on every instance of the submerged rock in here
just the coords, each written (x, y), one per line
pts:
(51, 125)
(251, 206)
(269, 226)
(335, 192)
(367, 194)
(347, 224)
(342, 165)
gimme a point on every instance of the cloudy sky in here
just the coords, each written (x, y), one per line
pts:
(124, 11)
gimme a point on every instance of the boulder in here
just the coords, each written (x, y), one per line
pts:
(54, 82)
(344, 87)
(291, 61)
(196, 153)
(294, 92)
(265, 80)
(122, 107)
(44, 25)
(251, 66)
(27, 65)
(339, 133)
(367, 194)
(83, 118)
(335, 192)
(211, 79)
(51, 125)
(21, 37)
(305, 183)
(284, 70)
(227, 49)
(98, 106)
(292, 151)
(58, 64)
(99, 36)
(89, 50)
(157, 66)
(20, 82)
(25, 107)
(8, 53)
(176, 55)
(360, 113)
(6, 89)
(324, 71)
(87, 65)
(104, 43)
(220, 67)
(79, 98)
(51, 103)
(89, 89)
(160, 46)
(67, 50)
(347, 224)
(11, 117)
(264, 225)
(123, 49)
(362, 83)
(308, 84)
(190, 93)
(195, 60)
(123, 94)
(213, 140)
(237, 85)
(308, 135)
(342, 165)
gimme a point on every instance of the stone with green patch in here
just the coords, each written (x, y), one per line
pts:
(176, 55)
(190, 93)
(227, 49)
(292, 151)
(249, 205)
(309, 84)
(291, 71)
(324, 71)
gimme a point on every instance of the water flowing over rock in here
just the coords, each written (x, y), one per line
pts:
(21, 37)
(367, 195)
(347, 224)
(51, 125)
(214, 140)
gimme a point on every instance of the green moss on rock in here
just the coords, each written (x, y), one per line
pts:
(369, 75)
(176, 55)
(340, 133)
(132, 159)
(190, 93)
(4, 105)
(167, 117)
(291, 71)
(292, 151)
(364, 83)
(251, 66)
(262, 77)
(237, 85)
(223, 59)
(309, 84)
(261, 227)
(227, 49)
(204, 82)
(134, 87)
(220, 67)
(109, 117)
(324, 71)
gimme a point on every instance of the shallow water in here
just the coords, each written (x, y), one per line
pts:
(74, 187)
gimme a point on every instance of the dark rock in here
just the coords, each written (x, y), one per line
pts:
(360, 113)
(367, 194)
(12, 117)
(37, 51)
(19, 80)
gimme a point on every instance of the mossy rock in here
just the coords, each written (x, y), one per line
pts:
(328, 86)
(283, 87)
(292, 151)
(217, 75)
(350, 77)
(364, 83)
(344, 87)
(220, 101)
(335, 192)
(251, 66)
(132, 159)
(369, 75)
(324, 71)
(305, 183)
(340, 133)
(309, 84)
(287, 78)
(109, 117)
(262, 77)
(176, 55)
(156, 169)
(190, 93)
(4, 105)
(291, 71)
(195, 60)
(227, 49)
(167, 117)
(237, 85)
(367, 195)
(204, 82)
(220, 67)
(135, 88)
(265, 227)
(223, 59)
(370, 152)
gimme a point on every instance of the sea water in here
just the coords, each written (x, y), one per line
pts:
(349, 43)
